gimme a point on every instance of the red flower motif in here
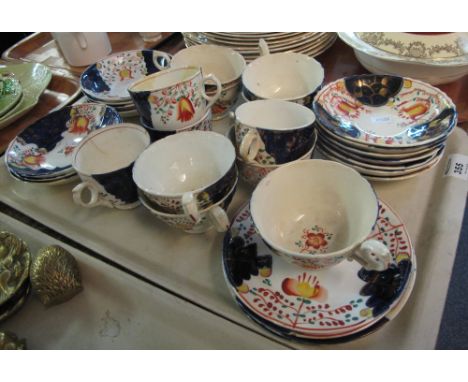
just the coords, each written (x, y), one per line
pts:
(68, 150)
(79, 125)
(315, 240)
(304, 286)
(185, 110)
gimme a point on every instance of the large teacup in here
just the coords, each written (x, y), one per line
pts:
(317, 213)
(225, 63)
(187, 172)
(173, 98)
(271, 132)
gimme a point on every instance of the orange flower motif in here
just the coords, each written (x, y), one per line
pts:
(34, 159)
(304, 286)
(79, 125)
(125, 73)
(315, 240)
(185, 110)
(68, 150)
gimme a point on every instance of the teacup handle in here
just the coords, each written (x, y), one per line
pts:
(156, 55)
(263, 47)
(190, 207)
(372, 255)
(250, 145)
(219, 218)
(215, 97)
(95, 199)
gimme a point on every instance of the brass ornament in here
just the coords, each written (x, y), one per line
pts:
(9, 341)
(55, 276)
(15, 260)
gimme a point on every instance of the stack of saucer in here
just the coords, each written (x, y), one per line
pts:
(107, 80)
(14, 274)
(269, 134)
(386, 127)
(175, 101)
(42, 153)
(311, 44)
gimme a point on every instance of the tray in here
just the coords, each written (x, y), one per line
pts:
(62, 90)
(190, 265)
(118, 311)
(41, 47)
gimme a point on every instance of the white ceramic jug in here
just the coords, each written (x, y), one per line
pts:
(83, 48)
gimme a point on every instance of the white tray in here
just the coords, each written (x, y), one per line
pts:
(190, 265)
(118, 311)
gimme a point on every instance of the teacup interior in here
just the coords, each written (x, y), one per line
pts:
(163, 79)
(184, 162)
(226, 64)
(314, 206)
(110, 149)
(283, 76)
(274, 115)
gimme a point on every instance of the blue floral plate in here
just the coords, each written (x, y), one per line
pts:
(334, 304)
(43, 150)
(108, 79)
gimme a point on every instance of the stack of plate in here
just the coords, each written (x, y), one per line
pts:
(42, 153)
(20, 88)
(436, 58)
(14, 274)
(385, 127)
(107, 80)
(311, 44)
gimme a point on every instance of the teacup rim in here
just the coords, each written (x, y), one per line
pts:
(277, 101)
(326, 255)
(197, 70)
(144, 200)
(103, 131)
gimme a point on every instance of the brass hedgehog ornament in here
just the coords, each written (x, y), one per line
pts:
(55, 276)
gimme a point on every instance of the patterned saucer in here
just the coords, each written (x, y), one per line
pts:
(316, 304)
(108, 79)
(385, 111)
(43, 150)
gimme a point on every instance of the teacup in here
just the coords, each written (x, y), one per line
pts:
(104, 161)
(225, 63)
(252, 172)
(187, 172)
(205, 124)
(173, 98)
(287, 76)
(213, 216)
(316, 213)
(273, 132)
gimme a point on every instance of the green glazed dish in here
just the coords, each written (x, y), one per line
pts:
(34, 79)
(10, 93)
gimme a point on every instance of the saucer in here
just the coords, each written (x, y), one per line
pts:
(43, 150)
(10, 93)
(324, 304)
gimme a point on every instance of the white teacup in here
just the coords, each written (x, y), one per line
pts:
(225, 63)
(187, 172)
(316, 213)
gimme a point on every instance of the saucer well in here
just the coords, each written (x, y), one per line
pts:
(326, 304)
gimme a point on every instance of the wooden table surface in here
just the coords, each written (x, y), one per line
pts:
(338, 61)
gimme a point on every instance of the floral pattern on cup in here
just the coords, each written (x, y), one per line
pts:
(314, 240)
(228, 98)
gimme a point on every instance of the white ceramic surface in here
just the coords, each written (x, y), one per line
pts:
(286, 76)
(316, 213)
